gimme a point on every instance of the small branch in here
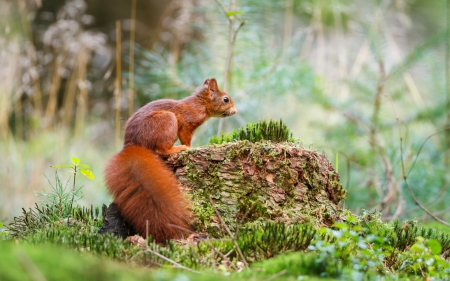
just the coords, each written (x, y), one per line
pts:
(447, 84)
(233, 238)
(73, 192)
(131, 66)
(444, 211)
(435, 200)
(176, 265)
(241, 24)
(243, 218)
(405, 176)
(225, 257)
(423, 207)
(30, 267)
(222, 7)
(379, 148)
(118, 81)
(276, 275)
(420, 149)
(232, 35)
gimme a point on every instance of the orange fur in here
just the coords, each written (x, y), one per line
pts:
(143, 187)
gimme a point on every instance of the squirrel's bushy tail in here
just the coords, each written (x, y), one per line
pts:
(145, 189)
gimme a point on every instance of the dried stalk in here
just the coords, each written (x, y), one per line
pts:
(118, 82)
(447, 80)
(233, 237)
(288, 16)
(405, 175)
(232, 34)
(131, 67)
(53, 93)
(176, 265)
(83, 92)
(387, 165)
(69, 96)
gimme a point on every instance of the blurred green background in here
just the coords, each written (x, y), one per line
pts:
(348, 77)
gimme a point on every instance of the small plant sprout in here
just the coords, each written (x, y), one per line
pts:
(3, 232)
(337, 162)
(75, 166)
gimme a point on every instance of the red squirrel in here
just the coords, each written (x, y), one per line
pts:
(144, 188)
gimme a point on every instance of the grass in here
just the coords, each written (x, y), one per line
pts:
(362, 248)
(30, 262)
(28, 163)
(275, 131)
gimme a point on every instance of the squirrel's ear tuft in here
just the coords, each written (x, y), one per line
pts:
(212, 84)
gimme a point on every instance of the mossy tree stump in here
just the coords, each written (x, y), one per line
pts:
(266, 181)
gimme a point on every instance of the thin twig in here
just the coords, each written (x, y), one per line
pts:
(435, 200)
(229, 252)
(30, 267)
(222, 7)
(73, 192)
(420, 149)
(146, 233)
(118, 81)
(241, 24)
(225, 257)
(378, 147)
(405, 176)
(276, 275)
(233, 238)
(444, 211)
(447, 85)
(177, 265)
(243, 218)
(131, 66)
(232, 35)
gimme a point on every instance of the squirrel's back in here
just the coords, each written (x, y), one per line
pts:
(146, 190)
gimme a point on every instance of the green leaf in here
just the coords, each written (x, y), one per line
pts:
(75, 161)
(62, 166)
(233, 13)
(420, 239)
(88, 174)
(84, 166)
(341, 225)
(350, 218)
(358, 228)
(418, 248)
(434, 246)
(1, 224)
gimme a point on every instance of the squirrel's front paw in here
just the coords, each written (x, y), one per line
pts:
(181, 147)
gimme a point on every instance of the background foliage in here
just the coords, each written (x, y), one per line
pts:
(339, 73)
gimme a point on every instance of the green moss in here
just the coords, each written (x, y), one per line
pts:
(241, 174)
(275, 131)
(292, 266)
(26, 262)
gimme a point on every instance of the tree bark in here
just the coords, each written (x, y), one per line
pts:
(252, 183)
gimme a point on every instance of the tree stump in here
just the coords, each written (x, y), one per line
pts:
(252, 183)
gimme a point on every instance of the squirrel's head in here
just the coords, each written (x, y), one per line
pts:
(220, 103)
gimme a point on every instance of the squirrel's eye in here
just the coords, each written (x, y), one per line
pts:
(225, 99)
